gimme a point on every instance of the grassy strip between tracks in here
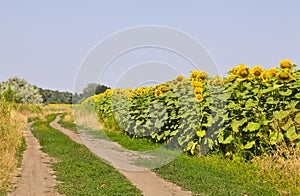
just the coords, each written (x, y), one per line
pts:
(79, 170)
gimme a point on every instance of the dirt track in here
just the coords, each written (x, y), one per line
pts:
(145, 180)
(37, 177)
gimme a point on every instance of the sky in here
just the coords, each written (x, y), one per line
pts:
(46, 42)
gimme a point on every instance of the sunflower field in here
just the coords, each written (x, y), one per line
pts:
(243, 115)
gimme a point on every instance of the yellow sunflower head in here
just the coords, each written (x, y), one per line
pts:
(164, 88)
(179, 78)
(234, 71)
(202, 75)
(158, 93)
(140, 91)
(194, 74)
(196, 84)
(217, 81)
(286, 64)
(199, 97)
(284, 76)
(198, 90)
(257, 71)
(243, 71)
(272, 72)
(108, 92)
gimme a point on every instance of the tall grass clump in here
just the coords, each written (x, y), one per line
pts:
(11, 125)
(281, 168)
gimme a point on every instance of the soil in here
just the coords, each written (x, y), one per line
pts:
(37, 178)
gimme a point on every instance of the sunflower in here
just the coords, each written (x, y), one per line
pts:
(272, 72)
(194, 74)
(140, 91)
(198, 90)
(243, 71)
(174, 82)
(196, 84)
(217, 81)
(284, 76)
(286, 64)
(202, 75)
(164, 88)
(108, 92)
(199, 97)
(179, 78)
(257, 71)
(234, 71)
(158, 93)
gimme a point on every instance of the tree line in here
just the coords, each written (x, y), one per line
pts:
(20, 91)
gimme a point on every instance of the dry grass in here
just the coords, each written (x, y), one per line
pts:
(69, 117)
(12, 124)
(282, 169)
(40, 111)
(87, 119)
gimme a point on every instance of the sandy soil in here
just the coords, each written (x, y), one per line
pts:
(37, 177)
(144, 179)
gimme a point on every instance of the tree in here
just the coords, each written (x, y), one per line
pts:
(92, 89)
(24, 91)
(100, 89)
(89, 90)
(51, 96)
(9, 95)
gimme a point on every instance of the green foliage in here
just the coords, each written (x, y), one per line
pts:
(9, 95)
(55, 97)
(93, 89)
(67, 124)
(21, 91)
(244, 117)
(259, 115)
(170, 118)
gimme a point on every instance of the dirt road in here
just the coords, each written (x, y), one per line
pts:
(37, 177)
(147, 181)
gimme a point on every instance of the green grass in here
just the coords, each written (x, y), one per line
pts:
(67, 124)
(130, 143)
(81, 172)
(32, 119)
(115, 135)
(209, 175)
(215, 175)
(20, 151)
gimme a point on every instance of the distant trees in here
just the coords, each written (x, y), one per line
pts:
(93, 89)
(90, 90)
(51, 96)
(54, 96)
(20, 91)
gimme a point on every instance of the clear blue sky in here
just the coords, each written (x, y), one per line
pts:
(45, 41)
